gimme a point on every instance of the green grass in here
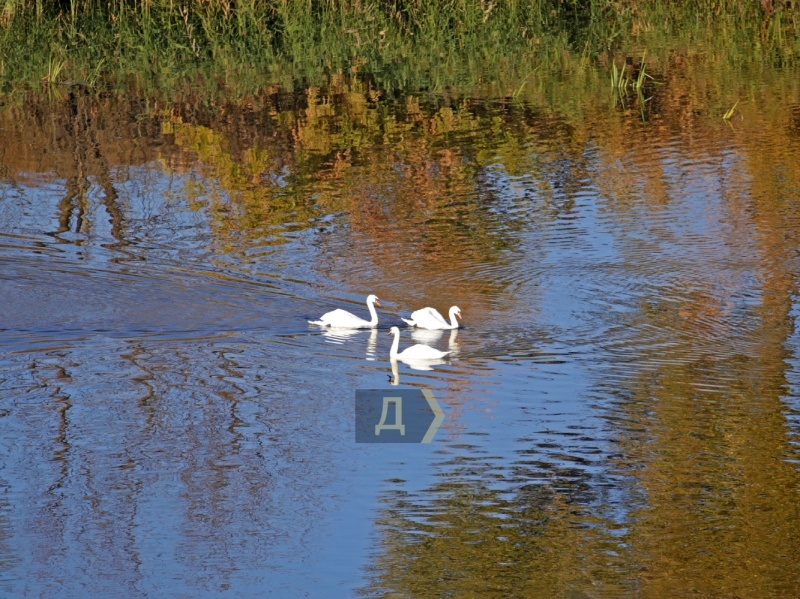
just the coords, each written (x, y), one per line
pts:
(727, 116)
(54, 68)
(624, 87)
(233, 48)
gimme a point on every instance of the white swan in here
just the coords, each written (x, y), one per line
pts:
(342, 319)
(429, 318)
(415, 352)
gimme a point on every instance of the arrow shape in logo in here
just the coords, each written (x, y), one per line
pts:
(437, 413)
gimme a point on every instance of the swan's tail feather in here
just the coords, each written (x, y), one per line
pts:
(409, 322)
(321, 323)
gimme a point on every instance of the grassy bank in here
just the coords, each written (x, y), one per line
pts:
(234, 47)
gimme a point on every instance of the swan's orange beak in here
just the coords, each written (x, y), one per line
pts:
(459, 315)
(377, 303)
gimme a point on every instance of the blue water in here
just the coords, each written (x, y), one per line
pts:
(173, 427)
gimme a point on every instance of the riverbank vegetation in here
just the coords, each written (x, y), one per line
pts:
(408, 44)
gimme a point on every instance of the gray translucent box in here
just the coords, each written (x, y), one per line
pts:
(397, 416)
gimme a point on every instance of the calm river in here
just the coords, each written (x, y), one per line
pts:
(622, 403)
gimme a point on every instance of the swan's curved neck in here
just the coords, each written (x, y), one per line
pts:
(374, 320)
(395, 345)
(453, 319)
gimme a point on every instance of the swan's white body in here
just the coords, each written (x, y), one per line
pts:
(415, 352)
(342, 319)
(429, 318)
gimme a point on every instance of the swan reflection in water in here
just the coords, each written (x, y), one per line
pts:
(419, 364)
(341, 336)
(415, 365)
(428, 337)
(394, 378)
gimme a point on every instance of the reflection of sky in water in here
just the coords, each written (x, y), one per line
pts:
(792, 397)
(179, 427)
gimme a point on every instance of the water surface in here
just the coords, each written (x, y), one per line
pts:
(621, 405)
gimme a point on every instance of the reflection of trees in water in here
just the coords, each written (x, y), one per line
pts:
(408, 180)
(705, 405)
(698, 400)
(703, 501)
(465, 539)
(153, 458)
(707, 443)
(456, 184)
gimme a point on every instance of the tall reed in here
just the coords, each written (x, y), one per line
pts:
(417, 43)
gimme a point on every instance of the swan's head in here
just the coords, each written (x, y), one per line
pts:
(455, 310)
(373, 299)
(394, 331)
